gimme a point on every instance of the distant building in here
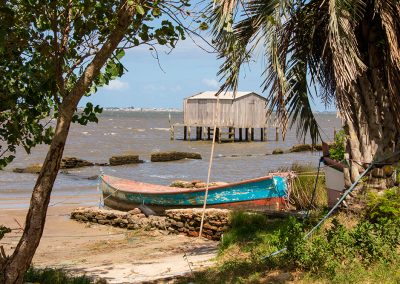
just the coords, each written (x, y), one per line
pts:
(246, 110)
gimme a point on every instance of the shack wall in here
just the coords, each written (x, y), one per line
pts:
(244, 112)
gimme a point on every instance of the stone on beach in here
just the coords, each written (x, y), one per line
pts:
(175, 221)
(173, 156)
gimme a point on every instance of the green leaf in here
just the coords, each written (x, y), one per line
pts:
(120, 53)
(139, 10)
(156, 12)
(203, 26)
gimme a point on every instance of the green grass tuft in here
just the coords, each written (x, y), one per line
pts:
(303, 187)
(54, 276)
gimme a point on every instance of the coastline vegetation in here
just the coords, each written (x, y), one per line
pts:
(346, 249)
(303, 185)
(55, 276)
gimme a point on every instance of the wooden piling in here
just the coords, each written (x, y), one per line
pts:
(231, 134)
(252, 134)
(185, 133)
(277, 133)
(246, 134)
(262, 134)
(218, 135)
(240, 134)
(198, 132)
(208, 133)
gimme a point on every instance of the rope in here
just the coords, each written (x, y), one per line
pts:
(216, 116)
(342, 198)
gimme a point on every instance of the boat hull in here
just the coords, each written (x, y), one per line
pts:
(266, 193)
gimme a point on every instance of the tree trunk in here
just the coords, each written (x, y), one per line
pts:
(20, 261)
(16, 266)
(370, 120)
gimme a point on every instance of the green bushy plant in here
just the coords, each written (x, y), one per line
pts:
(55, 276)
(385, 206)
(337, 149)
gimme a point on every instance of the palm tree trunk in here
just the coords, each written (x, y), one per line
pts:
(372, 135)
(370, 121)
(370, 118)
(20, 261)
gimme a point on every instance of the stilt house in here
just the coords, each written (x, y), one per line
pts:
(244, 110)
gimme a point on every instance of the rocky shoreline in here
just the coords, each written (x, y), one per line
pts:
(175, 221)
(73, 162)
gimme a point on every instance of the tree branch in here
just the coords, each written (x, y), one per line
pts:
(124, 19)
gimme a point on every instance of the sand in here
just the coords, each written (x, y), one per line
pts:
(115, 254)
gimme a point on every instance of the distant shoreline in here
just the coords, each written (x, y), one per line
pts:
(133, 109)
(138, 109)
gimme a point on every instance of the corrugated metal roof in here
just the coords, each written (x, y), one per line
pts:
(222, 96)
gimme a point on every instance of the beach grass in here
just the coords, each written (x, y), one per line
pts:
(365, 249)
(302, 187)
(56, 276)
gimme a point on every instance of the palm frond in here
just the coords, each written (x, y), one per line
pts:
(344, 16)
(389, 12)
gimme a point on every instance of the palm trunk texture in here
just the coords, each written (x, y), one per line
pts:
(369, 121)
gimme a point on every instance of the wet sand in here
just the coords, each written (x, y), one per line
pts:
(115, 254)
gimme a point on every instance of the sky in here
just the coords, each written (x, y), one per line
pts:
(185, 71)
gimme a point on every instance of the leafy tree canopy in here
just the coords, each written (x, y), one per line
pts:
(45, 47)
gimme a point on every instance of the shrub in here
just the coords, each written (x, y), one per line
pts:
(54, 276)
(4, 230)
(337, 149)
(384, 207)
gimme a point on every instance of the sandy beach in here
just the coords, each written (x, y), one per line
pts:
(114, 254)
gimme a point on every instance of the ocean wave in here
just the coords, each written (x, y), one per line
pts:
(163, 176)
(109, 133)
(160, 128)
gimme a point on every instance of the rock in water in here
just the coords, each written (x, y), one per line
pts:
(72, 162)
(124, 160)
(173, 156)
(31, 169)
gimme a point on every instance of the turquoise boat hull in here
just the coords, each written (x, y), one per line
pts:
(264, 193)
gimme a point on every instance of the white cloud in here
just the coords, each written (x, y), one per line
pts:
(116, 85)
(154, 88)
(161, 88)
(211, 83)
(176, 88)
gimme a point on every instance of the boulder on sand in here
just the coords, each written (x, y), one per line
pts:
(173, 156)
(124, 160)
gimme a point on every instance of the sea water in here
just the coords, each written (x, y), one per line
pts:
(142, 133)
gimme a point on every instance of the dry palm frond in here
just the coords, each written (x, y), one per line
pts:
(311, 50)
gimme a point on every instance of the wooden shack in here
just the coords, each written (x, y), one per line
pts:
(245, 110)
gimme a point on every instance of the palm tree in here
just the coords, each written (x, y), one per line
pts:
(343, 52)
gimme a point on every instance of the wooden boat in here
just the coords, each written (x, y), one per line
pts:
(264, 193)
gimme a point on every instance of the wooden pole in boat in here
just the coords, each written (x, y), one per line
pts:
(209, 168)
